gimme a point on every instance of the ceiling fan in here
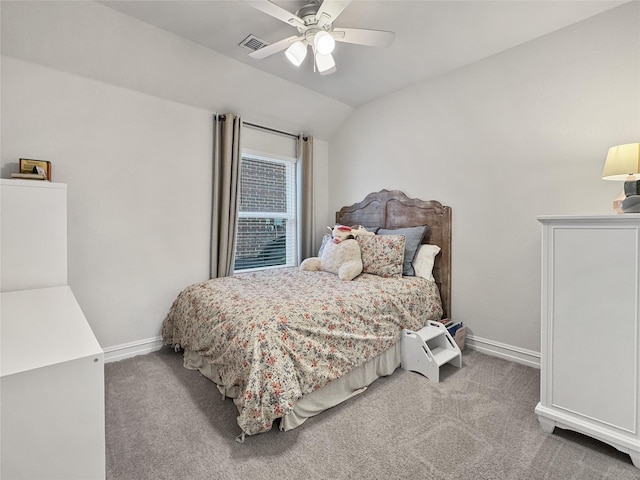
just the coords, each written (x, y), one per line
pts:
(316, 30)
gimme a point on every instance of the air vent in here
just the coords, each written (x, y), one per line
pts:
(253, 43)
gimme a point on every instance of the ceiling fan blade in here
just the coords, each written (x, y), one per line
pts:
(329, 11)
(269, 50)
(277, 12)
(325, 64)
(361, 36)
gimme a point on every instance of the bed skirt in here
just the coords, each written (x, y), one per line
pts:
(333, 393)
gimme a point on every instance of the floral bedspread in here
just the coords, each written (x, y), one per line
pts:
(276, 335)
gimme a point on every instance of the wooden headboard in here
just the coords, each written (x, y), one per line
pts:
(393, 209)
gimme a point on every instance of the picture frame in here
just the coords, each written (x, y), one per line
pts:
(28, 165)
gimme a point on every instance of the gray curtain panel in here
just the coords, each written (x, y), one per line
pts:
(227, 155)
(306, 247)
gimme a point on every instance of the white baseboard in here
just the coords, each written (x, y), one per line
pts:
(131, 349)
(483, 345)
(503, 350)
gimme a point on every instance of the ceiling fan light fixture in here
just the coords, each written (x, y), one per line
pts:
(315, 24)
(296, 53)
(324, 42)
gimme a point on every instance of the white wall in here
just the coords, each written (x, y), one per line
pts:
(517, 135)
(136, 158)
(94, 41)
(138, 172)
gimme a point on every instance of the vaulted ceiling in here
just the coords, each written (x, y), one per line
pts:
(432, 37)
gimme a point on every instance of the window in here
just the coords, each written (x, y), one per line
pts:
(267, 226)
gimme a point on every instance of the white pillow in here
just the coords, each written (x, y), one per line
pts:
(424, 259)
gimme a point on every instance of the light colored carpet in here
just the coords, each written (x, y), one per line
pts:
(166, 422)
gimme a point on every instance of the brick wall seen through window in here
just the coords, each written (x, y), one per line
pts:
(265, 189)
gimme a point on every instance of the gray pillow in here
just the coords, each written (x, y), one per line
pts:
(413, 239)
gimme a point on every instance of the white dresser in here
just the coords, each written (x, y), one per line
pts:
(590, 365)
(51, 365)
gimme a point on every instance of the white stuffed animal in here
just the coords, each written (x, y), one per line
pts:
(342, 232)
(342, 258)
(360, 231)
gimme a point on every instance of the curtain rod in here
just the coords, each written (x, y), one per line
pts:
(262, 127)
(269, 129)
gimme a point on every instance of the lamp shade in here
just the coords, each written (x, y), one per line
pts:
(325, 64)
(324, 43)
(622, 161)
(296, 53)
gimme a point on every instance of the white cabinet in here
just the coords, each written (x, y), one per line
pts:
(51, 365)
(51, 388)
(590, 364)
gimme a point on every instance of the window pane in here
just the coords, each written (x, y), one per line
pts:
(261, 242)
(263, 186)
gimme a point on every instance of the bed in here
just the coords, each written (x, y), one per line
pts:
(287, 344)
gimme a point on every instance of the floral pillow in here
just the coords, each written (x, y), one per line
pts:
(413, 239)
(382, 255)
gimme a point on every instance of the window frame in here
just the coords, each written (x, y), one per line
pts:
(291, 214)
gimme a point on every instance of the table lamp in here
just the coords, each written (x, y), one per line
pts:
(623, 164)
